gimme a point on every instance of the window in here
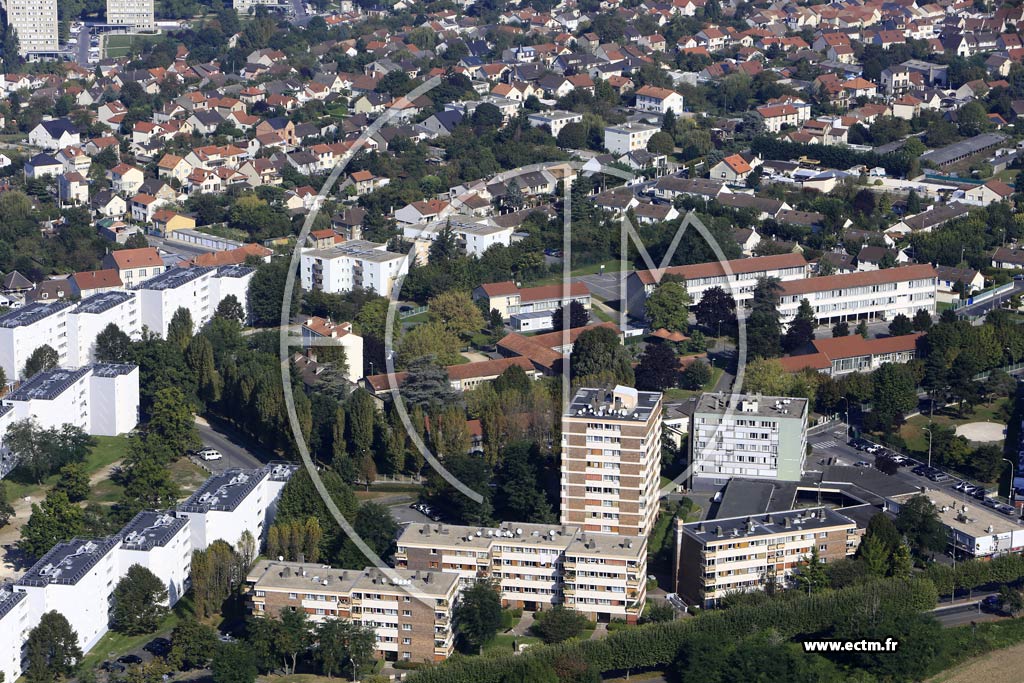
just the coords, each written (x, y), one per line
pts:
(406, 641)
(292, 596)
(406, 627)
(407, 613)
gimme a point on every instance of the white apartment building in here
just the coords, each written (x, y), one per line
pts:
(162, 543)
(92, 315)
(161, 296)
(232, 280)
(102, 399)
(136, 15)
(737, 278)
(628, 137)
(14, 624)
(76, 579)
(653, 99)
(876, 294)
(611, 460)
(356, 264)
(762, 437)
(352, 343)
(474, 236)
(23, 330)
(35, 23)
(536, 566)
(554, 120)
(234, 501)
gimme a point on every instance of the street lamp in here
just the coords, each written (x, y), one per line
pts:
(1012, 495)
(846, 401)
(929, 430)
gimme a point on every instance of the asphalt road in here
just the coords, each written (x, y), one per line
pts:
(984, 307)
(961, 615)
(235, 454)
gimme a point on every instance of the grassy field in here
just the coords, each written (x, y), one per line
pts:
(108, 450)
(113, 644)
(676, 394)
(917, 440)
(501, 644)
(119, 45)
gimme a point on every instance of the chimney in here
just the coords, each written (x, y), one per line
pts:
(718, 531)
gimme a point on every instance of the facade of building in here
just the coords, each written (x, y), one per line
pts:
(721, 556)
(737, 277)
(762, 437)
(161, 296)
(509, 299)
(92, 315)
(234, 501)
(611, 460)
(974, 530)
(352, 265)
(25, 329)
(162, 543)
(839, 356)
(877, 294)
(102, 399)
(35, 23)
(628, 137)
(411, 611)
(537, 566)
(554, 120)
(137, 15)
(320, 328)
(14, 624)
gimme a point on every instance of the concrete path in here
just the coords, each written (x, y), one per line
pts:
(523, 627)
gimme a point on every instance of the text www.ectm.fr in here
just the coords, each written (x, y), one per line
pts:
(887, 645)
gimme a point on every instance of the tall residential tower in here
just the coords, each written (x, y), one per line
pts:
(35, 23)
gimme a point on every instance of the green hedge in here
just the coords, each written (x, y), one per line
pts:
(655, 645)
(972, 574)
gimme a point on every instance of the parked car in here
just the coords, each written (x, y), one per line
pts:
(938, 476)
(210, 454)
(158, 647)
(130, 659)
(862, 463)
(980, 493)
(992, 603)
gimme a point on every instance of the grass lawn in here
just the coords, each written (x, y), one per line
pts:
(113, 644)
(418, 318)
(120, 45)
(108, 450)
(601, 315)
(676, 393)
(917, 440)
(501, 644)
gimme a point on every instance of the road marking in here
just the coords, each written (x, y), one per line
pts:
(823, 444)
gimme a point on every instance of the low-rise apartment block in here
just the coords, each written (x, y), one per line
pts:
(877, 294)
(356, 264)
(77, 579)
(537, 566)
(742, 554)
(749, 436)
(554, 120)
(92, 315)
(511, 300)
(738, 278)
(411, 611)
(102, 399)
(25, 329)
(838, 356)
(628, 137)
(235, 501)
(14, 624)
(611, 460)
(162, 543)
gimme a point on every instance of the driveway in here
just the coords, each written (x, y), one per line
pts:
(525, 622)
(237, 453)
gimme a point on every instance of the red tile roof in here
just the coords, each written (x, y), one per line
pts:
(736, 266)
(847, 280)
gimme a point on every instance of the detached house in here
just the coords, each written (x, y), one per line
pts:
(125, 179)
(134, 265)
(656, 100)
(733, 169)
(54, 134)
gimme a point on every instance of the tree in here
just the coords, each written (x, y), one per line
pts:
(918, 520)
(266, 293)
(895, 395)
(661, 143)
(113, 345)
(812, 574)
(716, 309)
(841, 329)
(429, 340)
(578, 316)
(519, 487)
(378, 529)
(171, 422)
(901, 565)
(230, 308)
(179, 330)
(52, 650)
(764, 331)
(42, 358)
(598, 354)
(52, 521)
(900, 325)
(427, 385)
(456, 312)
(696, 375)
(658, 368)
(559, 624)
(1011, 600)
(572, 136)
(199, 358)
(862, 328)
(874, 556)
(658, 612)
(139, 602)
(922, 320)
(193, 644)
(479, 614)
(801, 329)
(6, 509)
(668, 307)
(234, 663)
(294, 636)
(339, 641)
(74, 482)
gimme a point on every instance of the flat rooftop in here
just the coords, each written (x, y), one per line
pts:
(304, 576)
(618, 403)
(104, 301)
(963, 148)
(752, 526)
(8, 599)
(755, 497)
(68, 563)
(150, 529)
(601, 545)
(113, 369)
(31, 314)
(224, 492)
(966, 514)
(749, 404)
(172, 278)
(358, 249)
(235, 270)
(47, 385)
(558, 537)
